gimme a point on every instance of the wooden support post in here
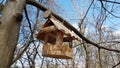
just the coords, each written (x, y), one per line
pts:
(59, 38)
(45, 38)
(70, 44)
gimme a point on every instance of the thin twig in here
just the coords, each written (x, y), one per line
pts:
(87, 11)
(110, 1)
(116, 64)
(108, 10)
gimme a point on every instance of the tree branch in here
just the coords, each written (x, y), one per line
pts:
(116, 65)
(87, 11)
(110, 1)
(108, 10)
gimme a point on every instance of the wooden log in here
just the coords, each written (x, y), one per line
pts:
(47, 14)
(48, 29)
(59, 38)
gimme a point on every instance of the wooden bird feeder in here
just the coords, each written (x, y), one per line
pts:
(56, 36)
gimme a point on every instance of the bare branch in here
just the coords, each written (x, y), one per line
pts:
(87, 11)
(110, 1)
(108, 10)
(116, 65)
(28, 21)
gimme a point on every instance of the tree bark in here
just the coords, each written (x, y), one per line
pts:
(9, 30)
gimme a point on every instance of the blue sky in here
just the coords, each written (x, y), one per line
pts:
(66, 5)
(73, 10)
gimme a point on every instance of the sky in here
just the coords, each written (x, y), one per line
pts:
(68, 11)
(74, 9)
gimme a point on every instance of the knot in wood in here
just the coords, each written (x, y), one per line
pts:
(19, 17)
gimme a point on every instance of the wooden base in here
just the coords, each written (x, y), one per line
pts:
(59, 52)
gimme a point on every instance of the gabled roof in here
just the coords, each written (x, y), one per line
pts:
(60, 26)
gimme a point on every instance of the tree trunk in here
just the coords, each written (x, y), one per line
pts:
(9, 30)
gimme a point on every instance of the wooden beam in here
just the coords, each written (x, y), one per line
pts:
(59, 38)
(48, 29)
(47, 14)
